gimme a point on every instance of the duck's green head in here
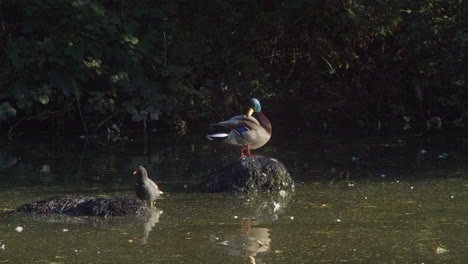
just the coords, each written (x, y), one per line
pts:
(254, 106)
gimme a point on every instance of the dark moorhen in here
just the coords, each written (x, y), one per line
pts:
(145, 188)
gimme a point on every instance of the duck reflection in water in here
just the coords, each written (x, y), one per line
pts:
(153, 218)
(258, 241)
(251, 242)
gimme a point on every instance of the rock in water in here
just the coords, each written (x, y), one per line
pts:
(251, 174)
(86, 206)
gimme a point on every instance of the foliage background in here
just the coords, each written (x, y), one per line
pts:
(85, 64)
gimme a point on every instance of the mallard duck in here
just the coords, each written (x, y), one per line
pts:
(145, 188)
(250, 131)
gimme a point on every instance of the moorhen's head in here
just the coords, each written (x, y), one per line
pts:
(140, 171)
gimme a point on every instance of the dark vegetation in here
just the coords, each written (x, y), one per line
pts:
(85, 64)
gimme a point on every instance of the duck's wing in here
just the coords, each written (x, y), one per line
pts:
(241, 121)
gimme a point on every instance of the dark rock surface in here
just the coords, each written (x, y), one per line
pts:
(251, 174)
(86, 206)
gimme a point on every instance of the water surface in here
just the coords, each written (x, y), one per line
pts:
(357, 199)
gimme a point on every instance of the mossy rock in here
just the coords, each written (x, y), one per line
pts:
(251, 174)
(86, 206)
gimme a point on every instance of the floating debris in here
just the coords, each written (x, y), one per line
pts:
(423, 151)
(19, 229)
(441, 250)
(277, 207)
(224, 243)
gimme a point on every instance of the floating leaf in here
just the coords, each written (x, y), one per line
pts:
(441, 250)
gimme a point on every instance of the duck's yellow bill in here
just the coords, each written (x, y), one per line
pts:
(250, 112)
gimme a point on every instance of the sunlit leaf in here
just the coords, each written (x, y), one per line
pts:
(43, 98)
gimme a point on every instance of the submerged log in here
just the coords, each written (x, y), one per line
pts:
(251, 174)
(86, 206)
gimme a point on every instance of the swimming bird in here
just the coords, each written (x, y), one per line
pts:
(249, 131)
(145, 188)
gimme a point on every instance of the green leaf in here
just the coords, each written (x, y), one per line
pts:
(154, 116)
(59, 60)
(131, 109)
(136, 117)
(133, 40)
(90, 27)
(27, 28)
(6, 110)
(136, 101)
(77, 4)
(20, 92)
(43, 98)
(76, 52)
(24, 104)
(171, 70)
(150, 108)
(130, 38)
(18, 61)
(60, 80)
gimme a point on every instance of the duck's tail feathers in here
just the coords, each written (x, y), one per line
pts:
(217, 137)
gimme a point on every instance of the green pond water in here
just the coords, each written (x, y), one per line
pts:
(357, 199)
